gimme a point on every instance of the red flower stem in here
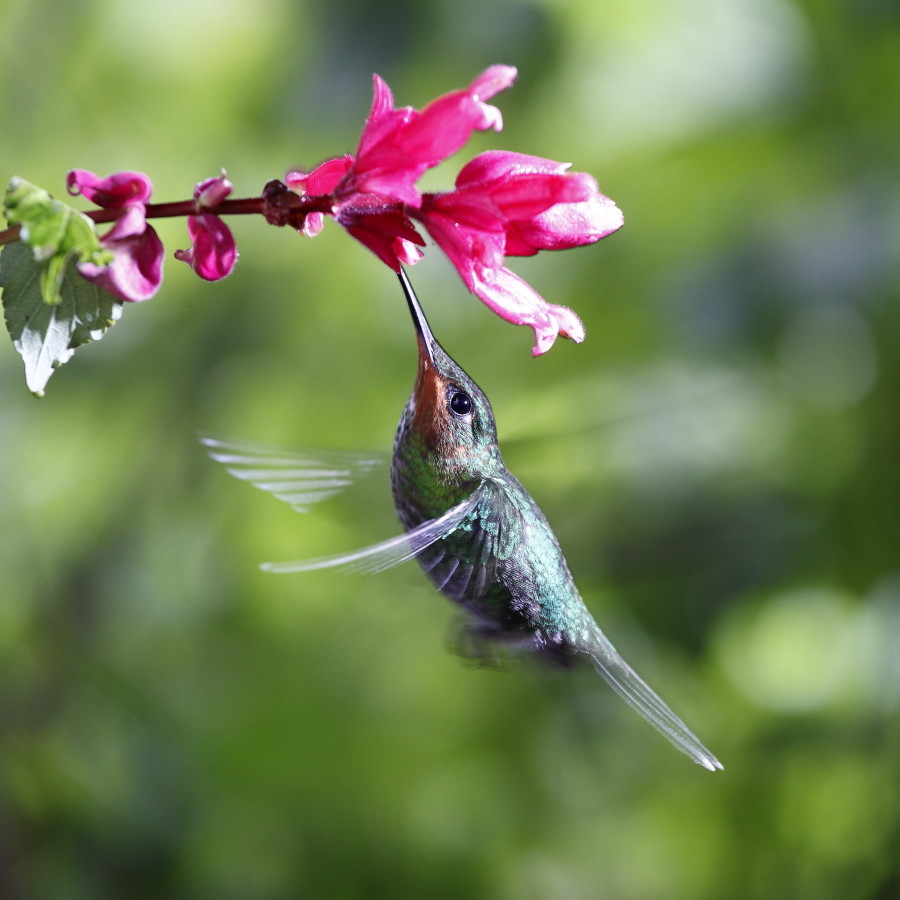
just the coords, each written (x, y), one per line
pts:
(246, 206)
(243, 207)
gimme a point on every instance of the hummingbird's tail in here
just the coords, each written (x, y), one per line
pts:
(640, 697)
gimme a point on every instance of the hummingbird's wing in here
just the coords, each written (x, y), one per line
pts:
(463, 566)
(299, 477)
(304, 477)
(383, 555)
(641, 698)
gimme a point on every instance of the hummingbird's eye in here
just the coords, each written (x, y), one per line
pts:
(461, 403)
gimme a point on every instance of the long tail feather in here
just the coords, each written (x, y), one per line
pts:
(640, 697)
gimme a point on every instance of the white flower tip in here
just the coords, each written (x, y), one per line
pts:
(502, 76)
(568, 323)
(493, 80)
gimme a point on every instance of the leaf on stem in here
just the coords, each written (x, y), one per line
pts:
(56, 233)
(44, 335)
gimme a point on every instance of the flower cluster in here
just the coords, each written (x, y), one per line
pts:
(135, 272)
(503, 204)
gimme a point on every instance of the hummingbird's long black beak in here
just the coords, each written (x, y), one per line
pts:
(426, 338)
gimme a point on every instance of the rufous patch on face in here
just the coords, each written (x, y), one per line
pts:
(429, 418)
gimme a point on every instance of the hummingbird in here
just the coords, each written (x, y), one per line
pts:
(476, 532)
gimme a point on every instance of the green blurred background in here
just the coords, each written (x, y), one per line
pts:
(719, 459)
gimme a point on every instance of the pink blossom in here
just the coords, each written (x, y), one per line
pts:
(510, 204)
(135, 273)
(398, 145)
(375, 189)
(212, 253)
(543, 205)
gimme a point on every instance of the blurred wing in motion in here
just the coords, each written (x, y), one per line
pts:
(305, 477)
(385, 554)
(298, 477)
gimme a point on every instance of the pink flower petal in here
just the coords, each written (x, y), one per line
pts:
(382, 227)
(525, 186)
(494, 206)
(131, 223)
(213, 252)
(211, 192)
(113, 191)
(565, 225)
(392, 251)
(398, 145)
(567, 323)
(465, 245)
(494, 165)
(493, 80)
(321, 180)
(135, 273)
(446, 123)
(516, 301)
(382, 123)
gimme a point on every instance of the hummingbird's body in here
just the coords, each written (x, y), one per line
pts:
(479, 536)
(502, 563)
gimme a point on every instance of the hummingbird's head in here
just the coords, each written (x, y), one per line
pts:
(449, 412)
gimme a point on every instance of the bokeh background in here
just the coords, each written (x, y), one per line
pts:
(719, 459)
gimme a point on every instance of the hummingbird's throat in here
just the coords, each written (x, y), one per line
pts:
(429, 413)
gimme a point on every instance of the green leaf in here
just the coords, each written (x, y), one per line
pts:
(56, 233)
(46, 335)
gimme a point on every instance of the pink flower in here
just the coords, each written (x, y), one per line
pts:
(543, 206)
(212, 253)
(510, 204)
(368, 192)
(398, 145)
(136, 270)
